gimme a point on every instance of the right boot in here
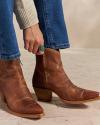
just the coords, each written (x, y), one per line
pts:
(15, 93)
(49, 76)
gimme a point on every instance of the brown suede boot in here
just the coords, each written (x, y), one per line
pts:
(49, 76)
(13, 88)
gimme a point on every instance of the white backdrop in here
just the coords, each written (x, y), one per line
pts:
(83, 22)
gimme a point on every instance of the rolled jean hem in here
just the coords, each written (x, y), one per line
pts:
(11, 57)
(60, 46)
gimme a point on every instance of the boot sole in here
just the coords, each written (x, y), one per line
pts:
(45, 95)
(79, 102)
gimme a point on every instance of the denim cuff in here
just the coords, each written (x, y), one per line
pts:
(10, 57)
(59, 46)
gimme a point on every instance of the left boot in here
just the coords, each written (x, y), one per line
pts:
(15, 93)
(49, 76)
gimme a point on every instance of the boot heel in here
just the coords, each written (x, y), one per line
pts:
(44, 95)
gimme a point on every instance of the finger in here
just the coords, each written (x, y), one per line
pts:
(31, 44)
(35, 47)
(26, 44)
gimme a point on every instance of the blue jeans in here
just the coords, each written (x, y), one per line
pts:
(50, 14)
(52, 24)
(8, 43)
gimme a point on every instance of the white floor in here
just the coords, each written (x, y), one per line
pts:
(83, 67)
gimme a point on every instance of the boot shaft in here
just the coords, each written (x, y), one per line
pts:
(48, 67)
(12, 79)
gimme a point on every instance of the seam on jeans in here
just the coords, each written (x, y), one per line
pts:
(3, 47)
(44, 19)
(64, 44)
(9, 8)
(47, 23)
(61, 46)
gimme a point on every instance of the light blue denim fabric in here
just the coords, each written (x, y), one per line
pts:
(8, 43)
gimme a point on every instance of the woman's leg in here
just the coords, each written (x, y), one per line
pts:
(12, 83)
(49, 74)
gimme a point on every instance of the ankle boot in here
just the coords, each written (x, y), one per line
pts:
(49, 76)
(15, 92)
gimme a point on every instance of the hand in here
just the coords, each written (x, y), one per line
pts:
(33, 39)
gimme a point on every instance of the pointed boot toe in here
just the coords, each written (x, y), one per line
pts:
(91, 95)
